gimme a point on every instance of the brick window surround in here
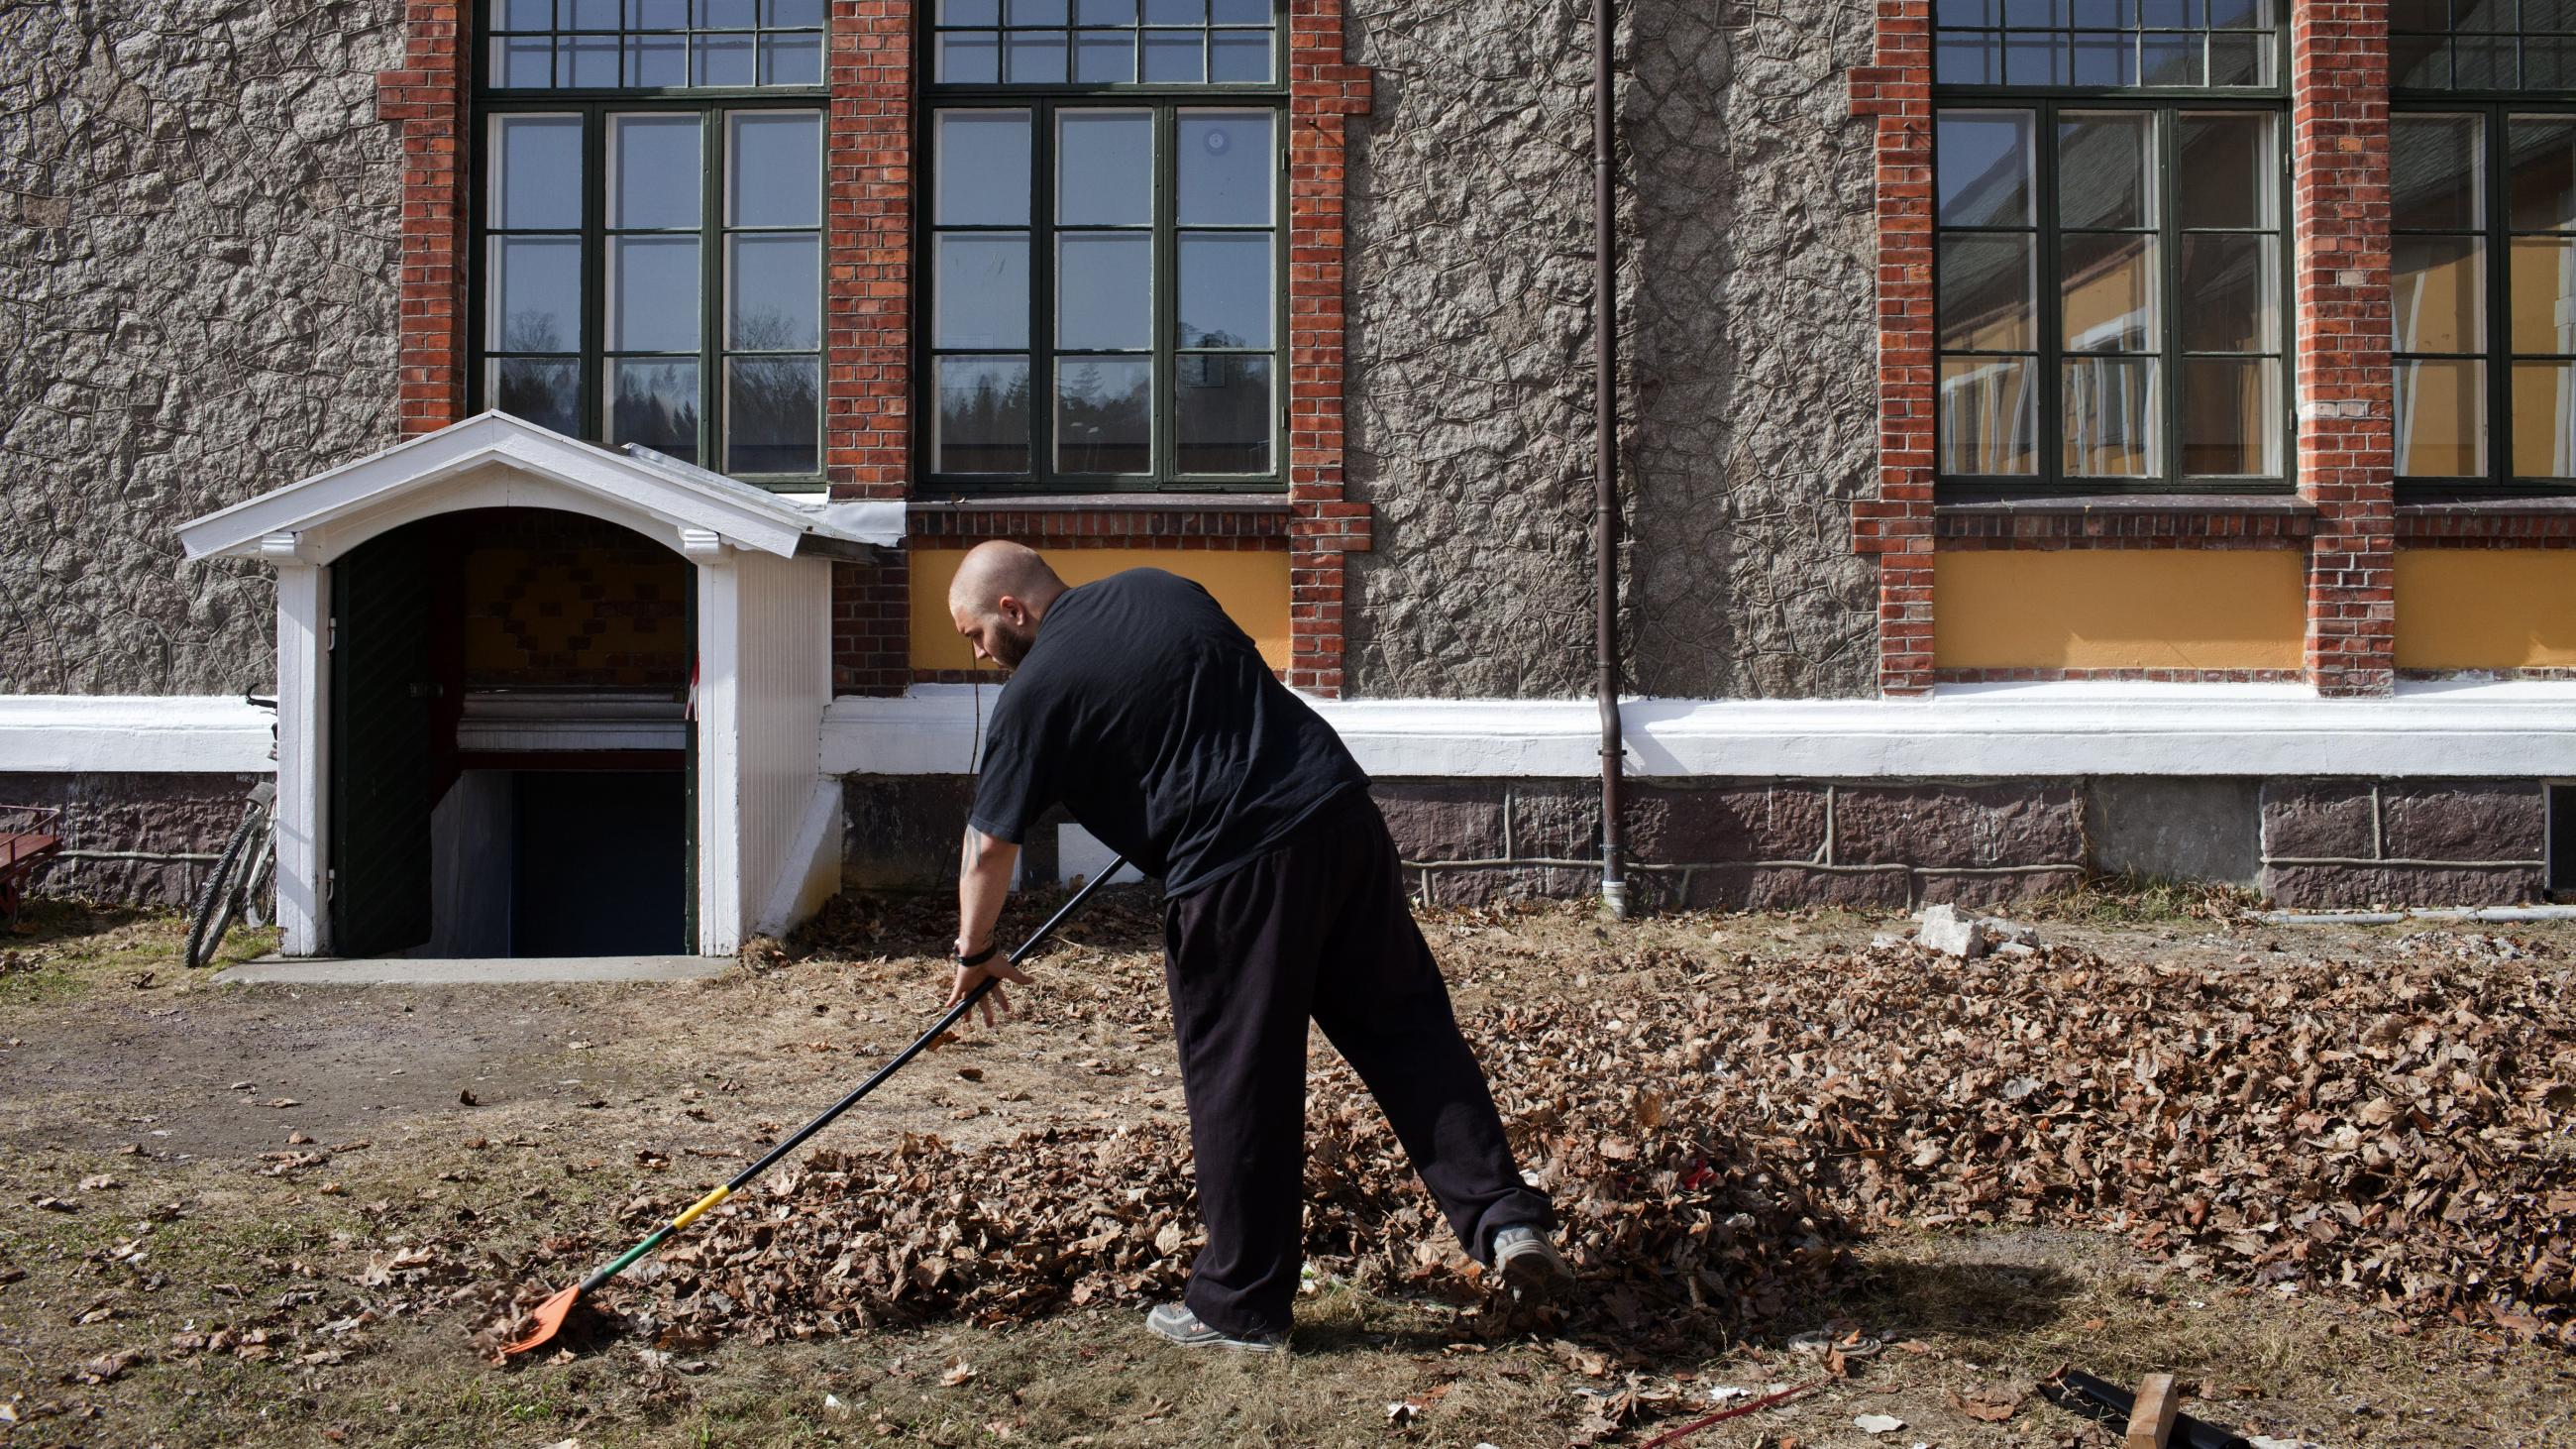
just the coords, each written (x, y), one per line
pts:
(2344, 460)
(868, 440)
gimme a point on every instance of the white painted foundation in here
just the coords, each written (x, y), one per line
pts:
(2515, 730)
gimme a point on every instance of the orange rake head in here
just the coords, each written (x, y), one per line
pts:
(545, 1322)
(548, 1319)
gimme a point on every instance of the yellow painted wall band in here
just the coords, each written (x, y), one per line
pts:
(699, 1208)
(2486, 608)
(1251, 585)
(2098, 608)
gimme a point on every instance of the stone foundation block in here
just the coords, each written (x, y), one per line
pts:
(1554, 820)
(2318, 820)
(2350, 887)
(900, 832)
(153, 814)
(1986, 890)
(2464, 820)
(2038, 822)
(1436, 820)
(1685, 825)
(1784, 887)
(2176, 829)
(1490, 885)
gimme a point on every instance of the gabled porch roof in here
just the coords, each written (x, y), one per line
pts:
(494, 460)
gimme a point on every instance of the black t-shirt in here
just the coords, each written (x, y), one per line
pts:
(1152, 718)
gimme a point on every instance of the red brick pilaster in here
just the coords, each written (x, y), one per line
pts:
(1324, 93)
(867, 389)
(426, 99)
(1896, 525)
(2339, 284)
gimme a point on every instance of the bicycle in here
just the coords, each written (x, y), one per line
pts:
(238, 889)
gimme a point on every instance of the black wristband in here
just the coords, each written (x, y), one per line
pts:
(980, 957)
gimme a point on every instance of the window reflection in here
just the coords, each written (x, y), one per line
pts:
(655, 404)
(2124, 384)
(1104, 413)
(1225, 415)
(983, 421)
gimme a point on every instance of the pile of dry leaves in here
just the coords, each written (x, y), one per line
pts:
(1715, 1130)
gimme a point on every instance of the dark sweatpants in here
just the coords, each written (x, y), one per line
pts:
(1318, 926)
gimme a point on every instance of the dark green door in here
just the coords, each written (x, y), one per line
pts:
(382, 690)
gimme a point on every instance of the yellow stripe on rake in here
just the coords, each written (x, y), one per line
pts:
(699, 1208)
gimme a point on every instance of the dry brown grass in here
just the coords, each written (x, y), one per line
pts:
(1971, 1314)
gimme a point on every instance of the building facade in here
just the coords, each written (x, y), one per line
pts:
(2056, 436)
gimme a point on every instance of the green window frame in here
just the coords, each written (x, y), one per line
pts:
(1030, 336)
(2103, 46)
(2147, 348)
(2188, 388)
(730, 378)
(651, 45)
(2489, 46)
(2483, 295)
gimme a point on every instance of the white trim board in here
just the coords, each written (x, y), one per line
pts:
(2514, 729)
(47, 734)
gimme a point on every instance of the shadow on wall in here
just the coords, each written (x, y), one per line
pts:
(1748, 393)
(1753, 332)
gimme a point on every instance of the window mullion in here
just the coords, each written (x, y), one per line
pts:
(2169, 467)
(2052, 383)
(712, 145)
(1042, 268)
(1283, 350)
(593, 369)
(2498, 224)
(1163, 460)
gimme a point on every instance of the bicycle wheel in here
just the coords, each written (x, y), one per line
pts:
(259, 893)
(225, 889)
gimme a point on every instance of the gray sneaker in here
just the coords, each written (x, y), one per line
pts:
(1175, 1322)
(1529, 1264)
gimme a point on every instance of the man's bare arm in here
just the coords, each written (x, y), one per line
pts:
(984, 869)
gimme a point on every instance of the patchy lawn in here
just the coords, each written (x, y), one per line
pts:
(2323, 1174)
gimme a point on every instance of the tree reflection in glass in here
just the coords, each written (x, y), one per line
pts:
(655, 404)
(983, 415)
(1104, 414)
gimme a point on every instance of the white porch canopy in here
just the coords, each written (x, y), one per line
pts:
(768, 824)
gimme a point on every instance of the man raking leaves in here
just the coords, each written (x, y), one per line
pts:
(1136, 704)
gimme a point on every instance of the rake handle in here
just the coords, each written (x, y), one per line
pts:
(770, 1158)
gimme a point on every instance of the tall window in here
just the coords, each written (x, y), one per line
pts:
(2483, 204)
(650, 234)
(1104, 245)
(2109, 245)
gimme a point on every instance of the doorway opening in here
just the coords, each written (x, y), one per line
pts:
(510, 759)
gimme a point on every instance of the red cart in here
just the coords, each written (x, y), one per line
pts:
(30, 835)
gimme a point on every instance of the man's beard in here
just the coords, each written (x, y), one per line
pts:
(1008, 645)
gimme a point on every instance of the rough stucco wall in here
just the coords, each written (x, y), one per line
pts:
(1752, 320)
(1468, 396)
(1745, 291)
(198, 212)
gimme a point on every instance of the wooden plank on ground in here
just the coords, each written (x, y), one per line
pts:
(2151, 1419)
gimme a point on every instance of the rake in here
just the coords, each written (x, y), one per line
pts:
(549, 1316)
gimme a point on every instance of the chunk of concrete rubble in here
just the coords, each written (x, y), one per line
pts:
(1944, 930)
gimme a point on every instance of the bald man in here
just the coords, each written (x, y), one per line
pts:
(1139, 706)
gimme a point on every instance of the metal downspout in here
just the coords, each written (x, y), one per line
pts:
(1605, 466)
